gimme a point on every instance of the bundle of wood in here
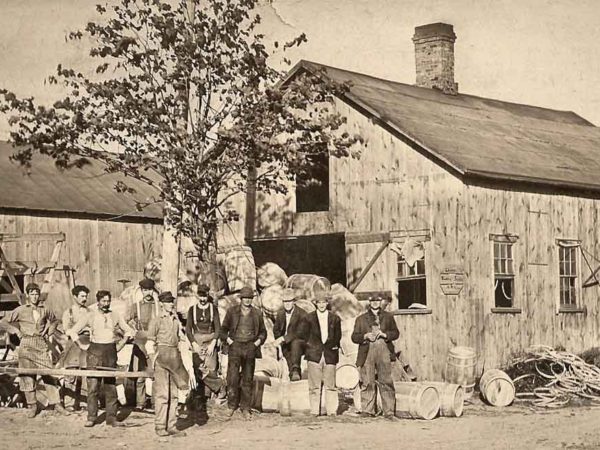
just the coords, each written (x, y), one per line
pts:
(551, 378)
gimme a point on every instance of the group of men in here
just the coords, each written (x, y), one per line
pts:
(183, 350)
(317, 336)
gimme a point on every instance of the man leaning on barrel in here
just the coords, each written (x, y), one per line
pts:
(102, 354)
(374, 332)
(34, 324)
(287, 329)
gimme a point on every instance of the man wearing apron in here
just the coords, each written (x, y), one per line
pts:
(138, 317)
(104, 326)
(164, 336)
(34, 324)
(374, 332)
(73, 356)
(202, 329)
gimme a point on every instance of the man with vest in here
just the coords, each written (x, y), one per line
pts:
(73, 355)
(244, 332)
(34, 324)
(374, 332)
(105, 326)
(203, 326)
(162, 345)
(286, 330)
(322, 331)
(139, 314)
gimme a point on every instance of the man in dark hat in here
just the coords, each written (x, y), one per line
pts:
(374, 332)
(164, 336)
(286, 330)
(73, 355)
(202, 329)
(102, 353)
(322, 331)
(243, 329)
(138, 316)
(34, 324)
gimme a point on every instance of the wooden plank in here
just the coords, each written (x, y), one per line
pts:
(368, 267)
(9, 273)
(366, 237)
(28, 237)
(29, 267)
(76, 373)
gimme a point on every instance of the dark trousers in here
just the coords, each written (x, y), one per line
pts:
(292, 353)
(139, 363)
(240, 375)
(102, 355)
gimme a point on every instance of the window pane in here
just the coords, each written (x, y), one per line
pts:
(421, 267)
(412, 291)
(503, 293)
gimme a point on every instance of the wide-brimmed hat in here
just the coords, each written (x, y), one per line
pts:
(203, 289)
(246, 292)
(322, 296)
(288, 295)
(147, 283)
(166, 297)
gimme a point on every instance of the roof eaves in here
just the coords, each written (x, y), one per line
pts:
(561, 184)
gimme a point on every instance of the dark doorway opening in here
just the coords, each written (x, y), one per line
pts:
(323, 254)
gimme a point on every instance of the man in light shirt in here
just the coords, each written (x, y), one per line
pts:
(73, 355)
(322, 331)
(102, 354)
(286, 329)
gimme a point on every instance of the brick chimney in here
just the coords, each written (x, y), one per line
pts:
(434, 57)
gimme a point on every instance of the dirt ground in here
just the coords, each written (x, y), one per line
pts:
(481, 426)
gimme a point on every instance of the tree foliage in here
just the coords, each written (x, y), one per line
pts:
(184, 99)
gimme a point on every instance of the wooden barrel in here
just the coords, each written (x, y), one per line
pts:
(460, 368)
(497, 388)
(416, 401)
(308, 285)
(275, 395)
(452, 398)
(269, 274)
(346, 376)
(239, 267)
(270, 367)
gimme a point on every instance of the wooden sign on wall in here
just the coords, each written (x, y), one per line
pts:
(452, 280)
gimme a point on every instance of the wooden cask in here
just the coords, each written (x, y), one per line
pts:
(497, 388)
(416, 401)
(452, 398)
(461, 366)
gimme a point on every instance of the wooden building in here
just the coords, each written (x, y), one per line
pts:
(106, 237)
(497, 202)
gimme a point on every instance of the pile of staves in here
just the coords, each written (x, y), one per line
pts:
(551, 378)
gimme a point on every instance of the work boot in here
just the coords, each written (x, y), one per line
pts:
(114, 423)
(295, 376)
(58, 408)
(89, 423)
(32, 410)
(230, 412)
(177, 433)
(246, 414)
(162, 433)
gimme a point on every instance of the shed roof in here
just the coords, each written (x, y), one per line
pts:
(480, 137)
(88, 190)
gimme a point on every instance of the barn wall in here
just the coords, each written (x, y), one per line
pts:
(101, 252)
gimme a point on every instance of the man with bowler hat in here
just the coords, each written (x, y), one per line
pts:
(374, 332)
(243, 330)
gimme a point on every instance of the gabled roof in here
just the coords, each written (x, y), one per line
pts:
(88, 190)
(479, 137)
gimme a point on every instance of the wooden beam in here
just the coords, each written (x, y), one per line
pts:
(366, 238)
(28, 267)
(9, 298)
(9, 273)
(14, 237)
(76, 373)
(365, 271)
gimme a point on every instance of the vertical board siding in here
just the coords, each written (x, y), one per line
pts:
(100, 252)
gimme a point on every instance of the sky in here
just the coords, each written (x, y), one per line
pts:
(538, 52)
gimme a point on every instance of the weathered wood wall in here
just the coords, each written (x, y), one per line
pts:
(101, 252)
(395, 188)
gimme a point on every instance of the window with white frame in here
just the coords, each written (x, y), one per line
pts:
(568, 274)
(504, 274)
(411, 282)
